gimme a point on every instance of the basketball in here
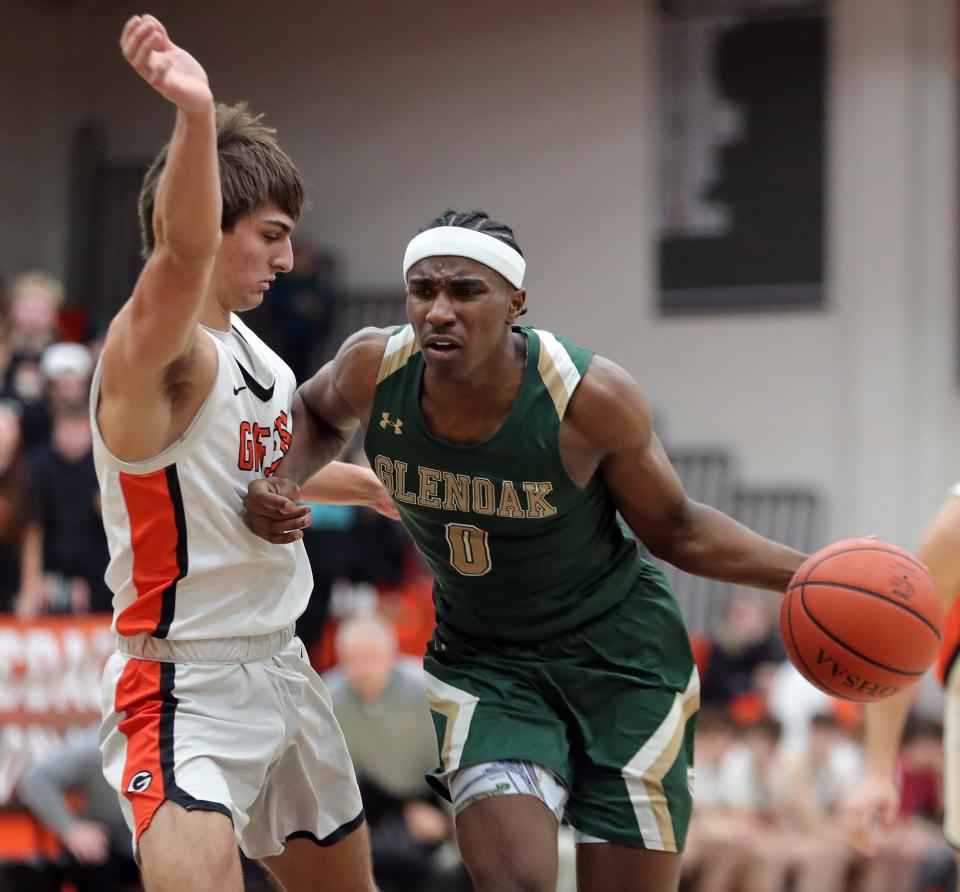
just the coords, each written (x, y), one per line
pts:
(861, 619)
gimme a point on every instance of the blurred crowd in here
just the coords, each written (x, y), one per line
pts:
(775, 762)
(774, 757)
(53, 551)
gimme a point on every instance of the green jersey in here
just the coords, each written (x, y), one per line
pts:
(519, 551)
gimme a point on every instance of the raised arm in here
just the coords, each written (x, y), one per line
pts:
(327, 410)
(610, 417)
(158, 324)
(874, 804)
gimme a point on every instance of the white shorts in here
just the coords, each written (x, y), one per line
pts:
(951, 760)
(240, 726)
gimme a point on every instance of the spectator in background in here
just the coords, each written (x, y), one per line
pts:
(380, 700)
(4, 338)
(96, 838)
(784, 834)
(66, 372)
(20, 544)
(751, 787)
(744, 657)
(915, 849)
(75, 552)
(920, 774)
(352, 543)
(35, 300)
(301, 308)
(825, 772)
(718, 851)
(816, 782)
(794, 702)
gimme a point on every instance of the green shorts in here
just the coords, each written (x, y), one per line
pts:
(607, 707)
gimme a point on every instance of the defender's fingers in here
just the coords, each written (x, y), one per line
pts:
(128, 29)
(285, 538)
(278, 538)
(276, 522)
(141, 57)
(388, 509)
(153, 20)
(282, 524)
(272, 504)
(134, 40)
(165, 41)
(157, 66)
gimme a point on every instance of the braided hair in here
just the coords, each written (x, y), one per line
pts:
(479, 221)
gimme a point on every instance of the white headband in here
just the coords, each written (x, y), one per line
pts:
(456, 241)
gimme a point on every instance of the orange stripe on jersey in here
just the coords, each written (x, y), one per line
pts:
(146, 697)
(950, 646)
(158, 539)
(138, 697)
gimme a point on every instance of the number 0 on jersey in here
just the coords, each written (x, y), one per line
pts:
(469, 549)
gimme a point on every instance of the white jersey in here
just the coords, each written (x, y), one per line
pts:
(183, 564)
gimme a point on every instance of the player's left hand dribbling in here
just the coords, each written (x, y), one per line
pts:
(272, 511)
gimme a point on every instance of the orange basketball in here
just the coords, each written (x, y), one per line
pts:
(861, 619)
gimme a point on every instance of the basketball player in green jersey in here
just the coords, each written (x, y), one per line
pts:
(560, 669)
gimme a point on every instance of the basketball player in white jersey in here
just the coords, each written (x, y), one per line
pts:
(873, 806)
(216, 730)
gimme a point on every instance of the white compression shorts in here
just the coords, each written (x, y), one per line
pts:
(510, 778)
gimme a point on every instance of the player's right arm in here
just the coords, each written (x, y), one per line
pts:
(327, 410)
(158, 324)
(330, 406)
(874, 804)
(609, 428)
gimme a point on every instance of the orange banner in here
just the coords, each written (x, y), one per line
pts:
(50, 673)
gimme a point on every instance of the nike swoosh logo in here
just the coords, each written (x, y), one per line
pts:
(258, 390)
(237, 390)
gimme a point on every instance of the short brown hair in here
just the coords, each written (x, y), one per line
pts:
(254, 171)
(33, 281)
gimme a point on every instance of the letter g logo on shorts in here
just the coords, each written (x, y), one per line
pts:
(139, 782)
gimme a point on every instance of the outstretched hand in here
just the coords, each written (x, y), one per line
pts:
(382, 502)
(871, 813)
(272, 510)
(171, 71)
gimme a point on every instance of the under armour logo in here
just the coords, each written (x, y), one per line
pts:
(396, 425)
(139, 782)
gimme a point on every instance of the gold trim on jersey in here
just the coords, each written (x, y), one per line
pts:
(429, 485)
(457, 707)
(559, 374)
(436, 488)
(537, 504)
(484, 495)
(456, 492)
(644, 773)
(400, 347)
(400, 492)
(469, 549)
(510, 502)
